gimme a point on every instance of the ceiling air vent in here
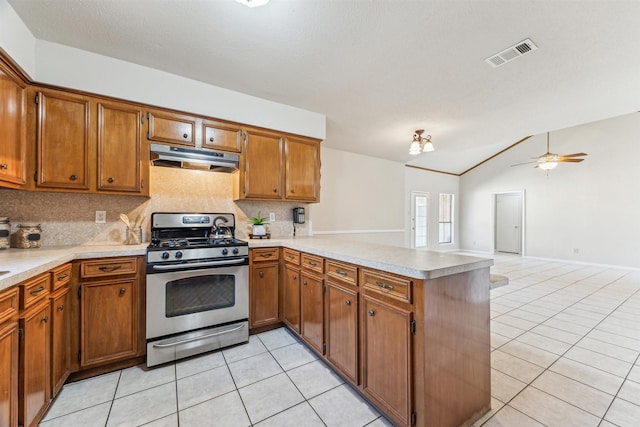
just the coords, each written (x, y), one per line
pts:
(509, 54)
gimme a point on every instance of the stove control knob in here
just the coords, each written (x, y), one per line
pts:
(225, 251)
(178, 254)
(165, 255)
(235, 251)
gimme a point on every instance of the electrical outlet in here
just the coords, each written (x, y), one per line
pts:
(101, 217)
(272, 216)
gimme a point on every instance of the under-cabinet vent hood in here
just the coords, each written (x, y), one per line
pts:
(193, 158)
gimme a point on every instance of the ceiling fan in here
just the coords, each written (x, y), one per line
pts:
(550, 160)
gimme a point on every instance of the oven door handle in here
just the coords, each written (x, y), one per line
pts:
(199, 337)
(198, 264)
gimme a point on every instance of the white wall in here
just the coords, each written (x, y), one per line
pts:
(16, 39)
(434, 184)
(591, 206)
(361, 196)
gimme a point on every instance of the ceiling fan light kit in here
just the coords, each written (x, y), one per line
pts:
(550, 160)
(420, 144)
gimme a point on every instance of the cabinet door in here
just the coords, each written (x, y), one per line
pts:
(291, 315)
(9, 374)
(302, 175)
(172, 128)
(262, 166)
(12, 132)
(263, 295)
(342, 329)
(60, 340)
(63, 141)
(35, 354)
(312, 312)
(221, 136)
(120, 148)
(387, 349)
(108, 321)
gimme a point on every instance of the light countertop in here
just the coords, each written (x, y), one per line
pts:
(22, 264)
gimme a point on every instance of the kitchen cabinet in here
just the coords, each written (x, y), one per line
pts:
(123, 159)
(60, 327)
(263, 287)
(312, 302)
(291, 305)
(9, 356)
(261, 167)
(221, 136)
(35, 350)
(302, 169)
(12, 129)
(109, 311)
(172, 128)
(63, 141)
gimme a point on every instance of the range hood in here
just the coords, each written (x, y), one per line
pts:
(193, 158)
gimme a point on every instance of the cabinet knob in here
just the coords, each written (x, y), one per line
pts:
(211, 139)
(122, 291)
(275, 190)
(73, 177)
(110, 179)
(60, 308)
(371, 312)
(185, 135)
(261, 274)
(347, 302)
(295, 277)
(293, 191)
(45, 319)
(4, 166)
(304, 282)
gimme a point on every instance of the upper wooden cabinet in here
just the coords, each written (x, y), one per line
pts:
(302, 174)
(63, 125)
(172, 128)
(221, 136)
(12, 130)
(121, 160)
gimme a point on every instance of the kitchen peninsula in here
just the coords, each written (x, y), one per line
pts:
(408, 329)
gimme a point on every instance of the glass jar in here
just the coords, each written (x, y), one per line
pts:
(5, 231)
(27, 236)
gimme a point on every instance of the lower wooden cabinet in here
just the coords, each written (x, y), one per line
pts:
(60, 340)
(263, 308)
(291, 306)
(9, 373)
(387, 357)
(35, 355)
(312, 311)
(342, 329)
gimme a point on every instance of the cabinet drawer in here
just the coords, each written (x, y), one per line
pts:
(264, 254)
(291, 256)
(394, 287)
(34, 290)
(313, 263)
(8, 303)
(343, 272)
(60, 276)
(108, 267)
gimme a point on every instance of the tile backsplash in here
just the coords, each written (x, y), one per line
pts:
(69, 218)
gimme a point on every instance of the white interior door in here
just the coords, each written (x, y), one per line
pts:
(419, 219)
(509, 223)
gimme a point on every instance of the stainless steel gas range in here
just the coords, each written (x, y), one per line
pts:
(197, 285)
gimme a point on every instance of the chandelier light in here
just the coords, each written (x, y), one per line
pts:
(420, 144)
(253, 3)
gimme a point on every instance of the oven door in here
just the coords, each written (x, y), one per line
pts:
(181, 301)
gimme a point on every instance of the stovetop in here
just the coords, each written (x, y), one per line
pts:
(194, 242)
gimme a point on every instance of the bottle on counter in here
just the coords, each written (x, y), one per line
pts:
(5, 231)
(27, 236)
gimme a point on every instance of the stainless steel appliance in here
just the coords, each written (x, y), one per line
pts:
(193, 158)
(197, 285)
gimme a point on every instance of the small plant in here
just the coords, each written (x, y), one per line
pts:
(258, 219)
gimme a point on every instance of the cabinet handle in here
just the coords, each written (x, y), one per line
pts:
(347, 302)
(312, 264)
(295, 277)
(293, 191)
(110, 179)
(371, 312)
(122, 291)
(265, 255)
(384, 285)
(290, 256)
(261, 274)
(73, 177)
(37, 290)
(340, 272)
(45, 319)
(304, 282)
(185, 135)
(60, 308)
(62, 276)
(211, 139)
(4, 166)
(275, 190)
(142, 183)
(110, 268)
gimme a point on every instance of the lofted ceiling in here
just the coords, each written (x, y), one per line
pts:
(379, 69)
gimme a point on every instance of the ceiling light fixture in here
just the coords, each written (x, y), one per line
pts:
(420, 144)
(253, 3)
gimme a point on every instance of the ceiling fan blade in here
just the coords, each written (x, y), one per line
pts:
(525, 163)
(570, 160)
(574, 155)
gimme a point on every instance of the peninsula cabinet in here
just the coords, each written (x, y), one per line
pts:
(9, 356)
(263, 287)
(12, 129)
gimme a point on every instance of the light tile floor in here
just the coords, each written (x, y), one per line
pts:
(565, 342)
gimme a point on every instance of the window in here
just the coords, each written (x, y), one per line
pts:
(445, 218)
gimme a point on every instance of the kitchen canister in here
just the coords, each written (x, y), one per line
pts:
(5, 231)
(27, 236)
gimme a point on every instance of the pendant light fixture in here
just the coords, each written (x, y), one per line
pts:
(420, 144)
(253, 3)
